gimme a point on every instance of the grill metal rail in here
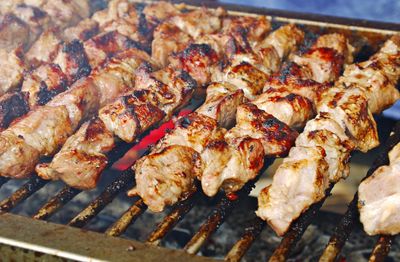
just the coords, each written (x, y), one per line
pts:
(216, 217)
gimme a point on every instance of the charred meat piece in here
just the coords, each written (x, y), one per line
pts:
(44, 83)
(199, 22)
(167, 174)
(221, 102)
(298, 182)
(75, 166)
(12, 106)
(45, 49)
(83, 31)
(11, 70)
(73, 61)
(101, 47)
(349, 108)
(198, 61)
(168, 39)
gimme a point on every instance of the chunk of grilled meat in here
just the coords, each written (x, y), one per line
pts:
(13, 32)
(125, 18)
(45, 48)
(167, 174)
(62, 115)
(12, 106)
(344, 123)
(12, 68)
(44, 83)
(199, 22)
(199, 60)
(290, 108)
(84, 148)
(73, 61)
(83, 31)
(103, 46)
(221, 102)
(168, 39)
(349, 108)
(155, 13)
(232, 162)
(298, 182)
(378, 198)
(24, 21)
(175, 34)
(253, 29)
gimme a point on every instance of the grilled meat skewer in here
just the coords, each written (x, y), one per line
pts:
(42, 131)
(242, 79)
(69, 62)
(267, 122)
(21, 22)
(344, 123)
(156, 95)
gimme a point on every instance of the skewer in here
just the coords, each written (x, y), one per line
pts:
(108, 195)
(34, 184)
(127, 218)
(381, 249)
(176, 215)
(217, 216)
(244, 243)
(56, 202)
(297, 230)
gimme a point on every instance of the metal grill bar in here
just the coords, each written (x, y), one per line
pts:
(34, 184)
(127, 218)
(218, 215)
(344, 228)
(56, 202)
(381, 249)
(176, 215)
(341, 232)
(297, 230)
(108, 195)
(250, 235)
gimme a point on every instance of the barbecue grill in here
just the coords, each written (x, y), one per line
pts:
(23, 237)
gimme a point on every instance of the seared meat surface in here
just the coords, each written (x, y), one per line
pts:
(378, 198)
(46, 128)
(199, 139)
(344, 123)
(154, 96)
(56, 63)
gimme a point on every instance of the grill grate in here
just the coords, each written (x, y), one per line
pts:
(215, 218)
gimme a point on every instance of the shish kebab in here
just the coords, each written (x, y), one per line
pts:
(379, 198)
(39, 27)
(63, 63)
(228, 160)
(154, 99)
(43, 130)
(22, 21)
(344, 123)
